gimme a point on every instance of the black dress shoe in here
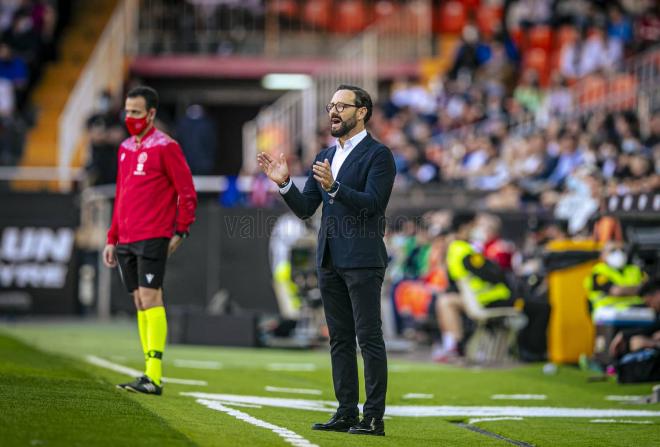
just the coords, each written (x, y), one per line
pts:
(337, 423)
(369, 426)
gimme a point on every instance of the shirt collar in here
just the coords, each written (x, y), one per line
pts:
(353, 141)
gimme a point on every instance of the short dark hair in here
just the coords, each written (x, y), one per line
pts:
(150, 96)
(362, 99)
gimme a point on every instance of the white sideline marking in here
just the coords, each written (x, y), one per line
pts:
(475, 420)
(274, 389)
(236, 404)
(197, 364)
(519, 397)
(417, 396)
(618, 398)
(431, 410)
(288, 435)
(618, 421)
(98, 361)
(291, 367)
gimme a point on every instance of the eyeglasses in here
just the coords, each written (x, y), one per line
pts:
(340, 106)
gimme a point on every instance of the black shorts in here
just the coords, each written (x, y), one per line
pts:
(142, 263)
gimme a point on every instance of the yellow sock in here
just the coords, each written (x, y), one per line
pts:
(156, 336)
(142, 329)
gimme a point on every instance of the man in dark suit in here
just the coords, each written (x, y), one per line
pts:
(353, 180)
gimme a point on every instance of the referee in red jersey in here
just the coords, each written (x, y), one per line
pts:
(154, 207)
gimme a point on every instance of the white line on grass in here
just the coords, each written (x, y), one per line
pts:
(618, 421)
(619, 398)
(475, 420)
(291, 367)
(197, 364)
(433, 410)
(519, 397)
(417, 396)
(288, 435)
(274, 389)
(236, 404)
(98, 361)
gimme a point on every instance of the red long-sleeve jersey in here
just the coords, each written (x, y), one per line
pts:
(155, 195)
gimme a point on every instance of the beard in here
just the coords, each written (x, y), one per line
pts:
(344, 128)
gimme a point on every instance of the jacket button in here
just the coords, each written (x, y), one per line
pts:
(331, 201)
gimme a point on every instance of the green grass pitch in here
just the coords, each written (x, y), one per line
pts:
(51, 395)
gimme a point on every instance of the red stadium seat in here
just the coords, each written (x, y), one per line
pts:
(384, 9)
(489, 19)
(622, 92)
(565, 35)
(350, 16)
(540, 37)
(285, 8)
(452, 17)
(317, 13)
(471, 5)
(537, 58)
(591, 91)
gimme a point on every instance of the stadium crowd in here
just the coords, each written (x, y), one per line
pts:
(28, 31)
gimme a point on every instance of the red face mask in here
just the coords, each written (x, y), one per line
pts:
(136, 126)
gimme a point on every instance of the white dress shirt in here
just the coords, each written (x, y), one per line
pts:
(341, 154)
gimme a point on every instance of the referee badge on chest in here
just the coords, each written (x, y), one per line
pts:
(142, 158)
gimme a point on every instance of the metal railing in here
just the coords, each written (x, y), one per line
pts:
(105, 69)
(292, 121)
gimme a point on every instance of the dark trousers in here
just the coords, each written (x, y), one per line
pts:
(351, 301)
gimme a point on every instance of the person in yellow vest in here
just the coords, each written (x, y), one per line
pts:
(484, 277)
(614, 283)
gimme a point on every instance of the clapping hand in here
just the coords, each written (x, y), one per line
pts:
(275, 168)
(323, 174)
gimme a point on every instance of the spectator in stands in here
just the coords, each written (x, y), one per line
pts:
(619, 25)
(654, 132)
(471, 54)
(569, 158)
(594, 51)
(106, 132)
(647, 27)
(197, 135)
(24, 38)
(528, 91)
(12, 67)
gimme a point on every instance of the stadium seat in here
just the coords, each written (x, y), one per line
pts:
(489, 19)
(284, 8)
(622, 92)
(540, 37)
(317, 13)
(385, 13)
(452, 17)
(471, 5)
(591, 91)
(537, 59)
(489, 343)
(350, 16)
(564, 36)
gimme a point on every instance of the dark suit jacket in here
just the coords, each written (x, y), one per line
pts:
(353, 223)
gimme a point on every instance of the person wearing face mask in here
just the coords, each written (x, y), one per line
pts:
(613, 282)
(155, 204)
(484, 277)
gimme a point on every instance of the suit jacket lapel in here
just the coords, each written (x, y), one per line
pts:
(355, 152)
